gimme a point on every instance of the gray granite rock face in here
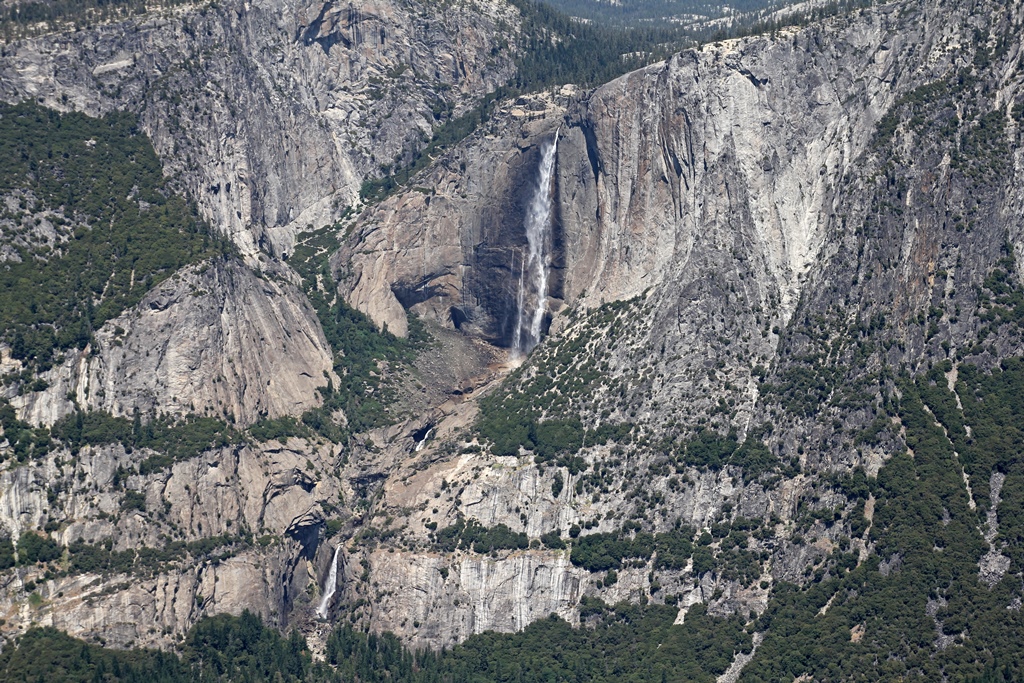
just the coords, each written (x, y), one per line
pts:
(746, 203)
(216, 339)
(450, 250)
(271, 492)
(738, 204)
(270, 113)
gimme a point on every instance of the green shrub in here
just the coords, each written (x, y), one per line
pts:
(133, 500)
(553, 540)
(473, 536)
(278, 429)
(175, 439)
(557, 484)
(33, 548)
(6, 554)
(604, 551)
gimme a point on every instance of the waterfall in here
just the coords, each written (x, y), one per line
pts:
(517, 340)
(532, 299)
(330, 586)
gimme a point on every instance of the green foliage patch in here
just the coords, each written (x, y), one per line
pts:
(219, 648)
(554, 49)
(174, 439)
(1000, 299)
(481, 539)
(23, 440)
(120, 229)
(278, 429)
(605, 551)
(917, 609)
(146, 561)
(641, 12)
(32, 17)
(708, 450)
(363, 355)
(950, 110)
(539, 406)
(33, 548)
(38, 548)
(624, 644)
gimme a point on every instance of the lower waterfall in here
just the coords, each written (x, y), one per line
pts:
(329, 587)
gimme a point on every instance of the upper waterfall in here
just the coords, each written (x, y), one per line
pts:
(532, 298)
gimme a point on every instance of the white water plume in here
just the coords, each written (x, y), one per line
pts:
(532, 299)
(329, 587)
(421, 442)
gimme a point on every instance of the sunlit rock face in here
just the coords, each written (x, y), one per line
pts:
(746, 207)
(271, 114)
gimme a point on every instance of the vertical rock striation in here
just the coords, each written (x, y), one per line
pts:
(215, 339)
(270, 113)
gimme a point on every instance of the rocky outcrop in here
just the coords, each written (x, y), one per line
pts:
(750, 207)
(215, 339)
(257, 507)
(270, 114)
(749, 238)
(719, 185)
(434, 598)
(674, 169)
(431, 600)
(124, 610)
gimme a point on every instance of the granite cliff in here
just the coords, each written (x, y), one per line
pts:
(775, 263)
(271, 114)
(750, 237)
